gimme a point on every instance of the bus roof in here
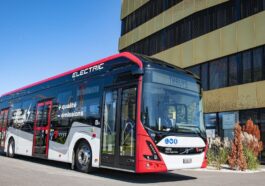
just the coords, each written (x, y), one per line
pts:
(128, 55)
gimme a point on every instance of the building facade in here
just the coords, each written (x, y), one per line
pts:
(222, 41)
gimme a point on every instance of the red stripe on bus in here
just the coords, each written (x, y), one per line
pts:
(128, 55)
(141, 147)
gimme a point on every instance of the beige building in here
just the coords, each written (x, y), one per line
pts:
(219, 40)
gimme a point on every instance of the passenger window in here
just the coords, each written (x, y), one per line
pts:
(88, 104)
(29, 109)
(65, 107)
(17, 113)
(128, 120)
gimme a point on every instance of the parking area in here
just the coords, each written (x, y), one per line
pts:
(24, 171)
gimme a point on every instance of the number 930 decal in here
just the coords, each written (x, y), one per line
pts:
(171, 141)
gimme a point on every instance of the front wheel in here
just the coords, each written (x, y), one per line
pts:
(83, 157)
(11, 148)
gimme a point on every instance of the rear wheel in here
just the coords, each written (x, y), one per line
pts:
(11, 148)
(83, 157)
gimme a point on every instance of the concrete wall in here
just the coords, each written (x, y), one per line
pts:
(129, 6)
(240, 97)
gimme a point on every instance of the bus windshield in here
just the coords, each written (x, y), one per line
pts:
(171, 102)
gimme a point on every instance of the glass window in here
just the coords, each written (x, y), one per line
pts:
(258, 66)
(233, 70)
(221, 16)
(43, 112)
(212, 16)
(204, 76)
(16, 115)
(262, 127)
(128, 120)
(171, 102)
(63, 108)
(109, 130)
(245, 115)
(210, 121)
(195, 70)
(227, 121)
(218, 73)
(29, 109)
(246, 67)
(212, 125)
(250, 7)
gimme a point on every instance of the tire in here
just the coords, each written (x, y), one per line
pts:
(11, 148)
(83, 157)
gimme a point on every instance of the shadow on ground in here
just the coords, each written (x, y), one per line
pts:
(113, 174)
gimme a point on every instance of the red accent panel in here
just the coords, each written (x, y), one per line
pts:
(46, 128)
(128, 55)
(143, 165)
(205, 161)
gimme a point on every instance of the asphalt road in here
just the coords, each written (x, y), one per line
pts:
(24, 171)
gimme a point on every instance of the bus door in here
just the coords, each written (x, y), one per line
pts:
(3, 127)
(42, 129)
(119, 128)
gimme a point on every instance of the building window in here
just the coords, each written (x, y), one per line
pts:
(246, 67)
(195, 70)
(250, 7)
(243, 67)
(227, 121)
(245, 115)
(233, 70)
(145, 13)
(218, 73)
(204, 76)
(195, 25)
(258, 65)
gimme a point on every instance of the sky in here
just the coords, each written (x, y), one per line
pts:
(42, 38)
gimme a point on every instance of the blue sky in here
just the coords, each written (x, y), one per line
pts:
(42, 38)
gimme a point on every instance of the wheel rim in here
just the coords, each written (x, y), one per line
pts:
(84, 156)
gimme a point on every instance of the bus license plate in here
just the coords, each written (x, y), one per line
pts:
(187, 160)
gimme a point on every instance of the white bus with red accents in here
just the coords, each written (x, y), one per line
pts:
(126, 112)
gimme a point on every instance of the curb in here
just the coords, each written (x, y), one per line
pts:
(212, 169)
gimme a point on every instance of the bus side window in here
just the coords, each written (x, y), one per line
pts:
(63, 107)
(28, 108)
(16, 115)
(66, 105)
(88, 101)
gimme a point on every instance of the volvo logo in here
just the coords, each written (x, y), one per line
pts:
(171, 141)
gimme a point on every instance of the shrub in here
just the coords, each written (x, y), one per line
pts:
(236, 158)
(252, 160)
(251, 137)
(210, 156)
(217, 153)
(221, 157)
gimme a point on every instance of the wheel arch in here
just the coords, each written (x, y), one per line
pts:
(11, 137)
(94, 144)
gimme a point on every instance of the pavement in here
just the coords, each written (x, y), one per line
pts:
(25, 171)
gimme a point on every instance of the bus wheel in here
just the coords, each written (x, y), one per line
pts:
(11, 148)
(83, 157)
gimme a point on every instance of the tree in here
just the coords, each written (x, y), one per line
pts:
(236, 159)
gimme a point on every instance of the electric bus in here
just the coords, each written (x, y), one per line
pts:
(126, 112)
